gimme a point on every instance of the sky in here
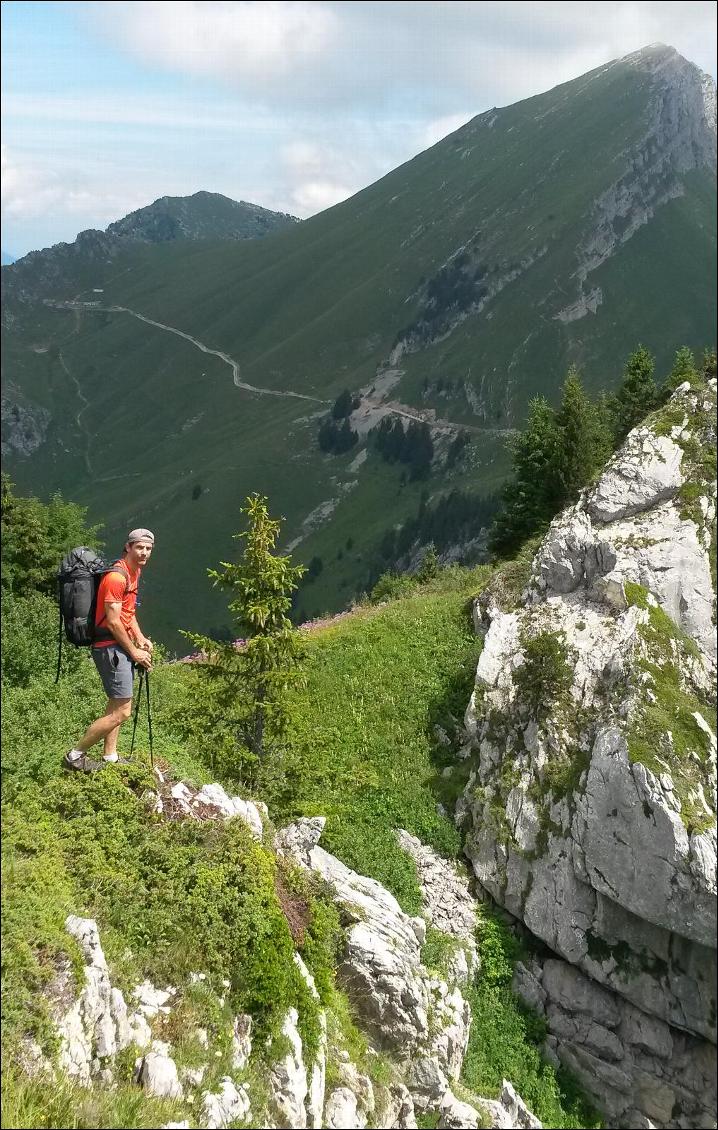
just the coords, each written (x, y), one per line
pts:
(290, 104)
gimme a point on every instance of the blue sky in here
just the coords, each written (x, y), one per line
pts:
(291, 104)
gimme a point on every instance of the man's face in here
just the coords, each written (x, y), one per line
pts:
(138, 552)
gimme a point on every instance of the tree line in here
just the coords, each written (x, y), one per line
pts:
(413, 445)
(560, 450)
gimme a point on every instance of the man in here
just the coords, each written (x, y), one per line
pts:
(119, 645)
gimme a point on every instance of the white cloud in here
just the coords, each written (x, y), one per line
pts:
(293, 104)
(433, 56)
(311, 196)
(72, 197)
(237, 41)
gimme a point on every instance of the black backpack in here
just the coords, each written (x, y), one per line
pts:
(78, 579)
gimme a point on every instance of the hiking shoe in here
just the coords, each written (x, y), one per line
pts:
(119, 761)
(81, 764)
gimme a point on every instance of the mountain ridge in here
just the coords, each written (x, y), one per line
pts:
(562, 229)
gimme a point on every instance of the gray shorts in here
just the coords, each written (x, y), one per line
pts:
(116, 670)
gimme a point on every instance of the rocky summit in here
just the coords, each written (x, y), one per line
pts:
(590, 812)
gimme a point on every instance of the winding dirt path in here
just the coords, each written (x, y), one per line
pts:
(234, 365)
(78, 417)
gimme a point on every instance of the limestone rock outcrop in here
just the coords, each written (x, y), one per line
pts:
(590, 812)
(416, 1019)
(381, 967)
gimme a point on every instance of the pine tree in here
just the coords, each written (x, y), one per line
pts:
(248, 679)
(531, 497)
(604, 417)
(342, 405)
(638, 394)
(576, 423)
(684, 369)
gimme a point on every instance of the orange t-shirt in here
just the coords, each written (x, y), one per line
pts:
(115, 589)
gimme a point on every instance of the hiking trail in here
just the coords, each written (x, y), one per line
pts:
(78, 418)
(234, 365)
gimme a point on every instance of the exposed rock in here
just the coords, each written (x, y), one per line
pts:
(427, 1082)
(597, 853)
(455, 1114)
(399, 1113)
(241, 1041)
(381, 966)
(314, 1101)
(341, 1111)
(594, 1032)
(680, 135)
(24, 427)
(448, 903)
(509, 1110)
(97, 1025)
(157, 1072)
(586, 304)
(246, 810)
(230, 1104)
(299, 838)
(151, 1001)
(288, 1079)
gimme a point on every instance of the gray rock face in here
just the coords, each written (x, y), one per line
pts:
(288, 1078)
(98, 1024)
(157, 1072)
(593, 829)
(24, 427)
(383, 961)
(381, 966)
(680, 135)
(230, 1104)
(448, 902)
(633, 1065)
(510, 1111)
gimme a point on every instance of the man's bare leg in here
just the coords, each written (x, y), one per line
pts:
(107, 727)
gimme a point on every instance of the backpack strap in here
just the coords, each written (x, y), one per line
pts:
(118, 567)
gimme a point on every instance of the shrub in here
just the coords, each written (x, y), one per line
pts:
(544, 678)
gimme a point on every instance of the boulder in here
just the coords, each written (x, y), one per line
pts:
(230, 1104)
(156, 1071)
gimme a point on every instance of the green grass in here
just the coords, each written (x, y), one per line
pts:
(36, 1104)
(361, 746)
(505, 1039)
(171, 899)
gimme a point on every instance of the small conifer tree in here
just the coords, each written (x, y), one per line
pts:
(638, 394)
(531, 497)
(575, 421)
(684, 369)
(249, 677)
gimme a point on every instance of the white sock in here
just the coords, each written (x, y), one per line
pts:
(75, 754)
(110, 757)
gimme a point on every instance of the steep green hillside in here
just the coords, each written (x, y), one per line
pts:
(363, 749)
(561, 229)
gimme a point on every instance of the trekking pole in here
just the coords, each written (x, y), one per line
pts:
(149, 716)
(137, 711)
(59, 650)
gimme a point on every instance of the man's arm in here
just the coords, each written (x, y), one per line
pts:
(140, 637)
(119, 631)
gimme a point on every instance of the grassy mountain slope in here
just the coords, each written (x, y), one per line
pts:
(563, 228)
(362, 749)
